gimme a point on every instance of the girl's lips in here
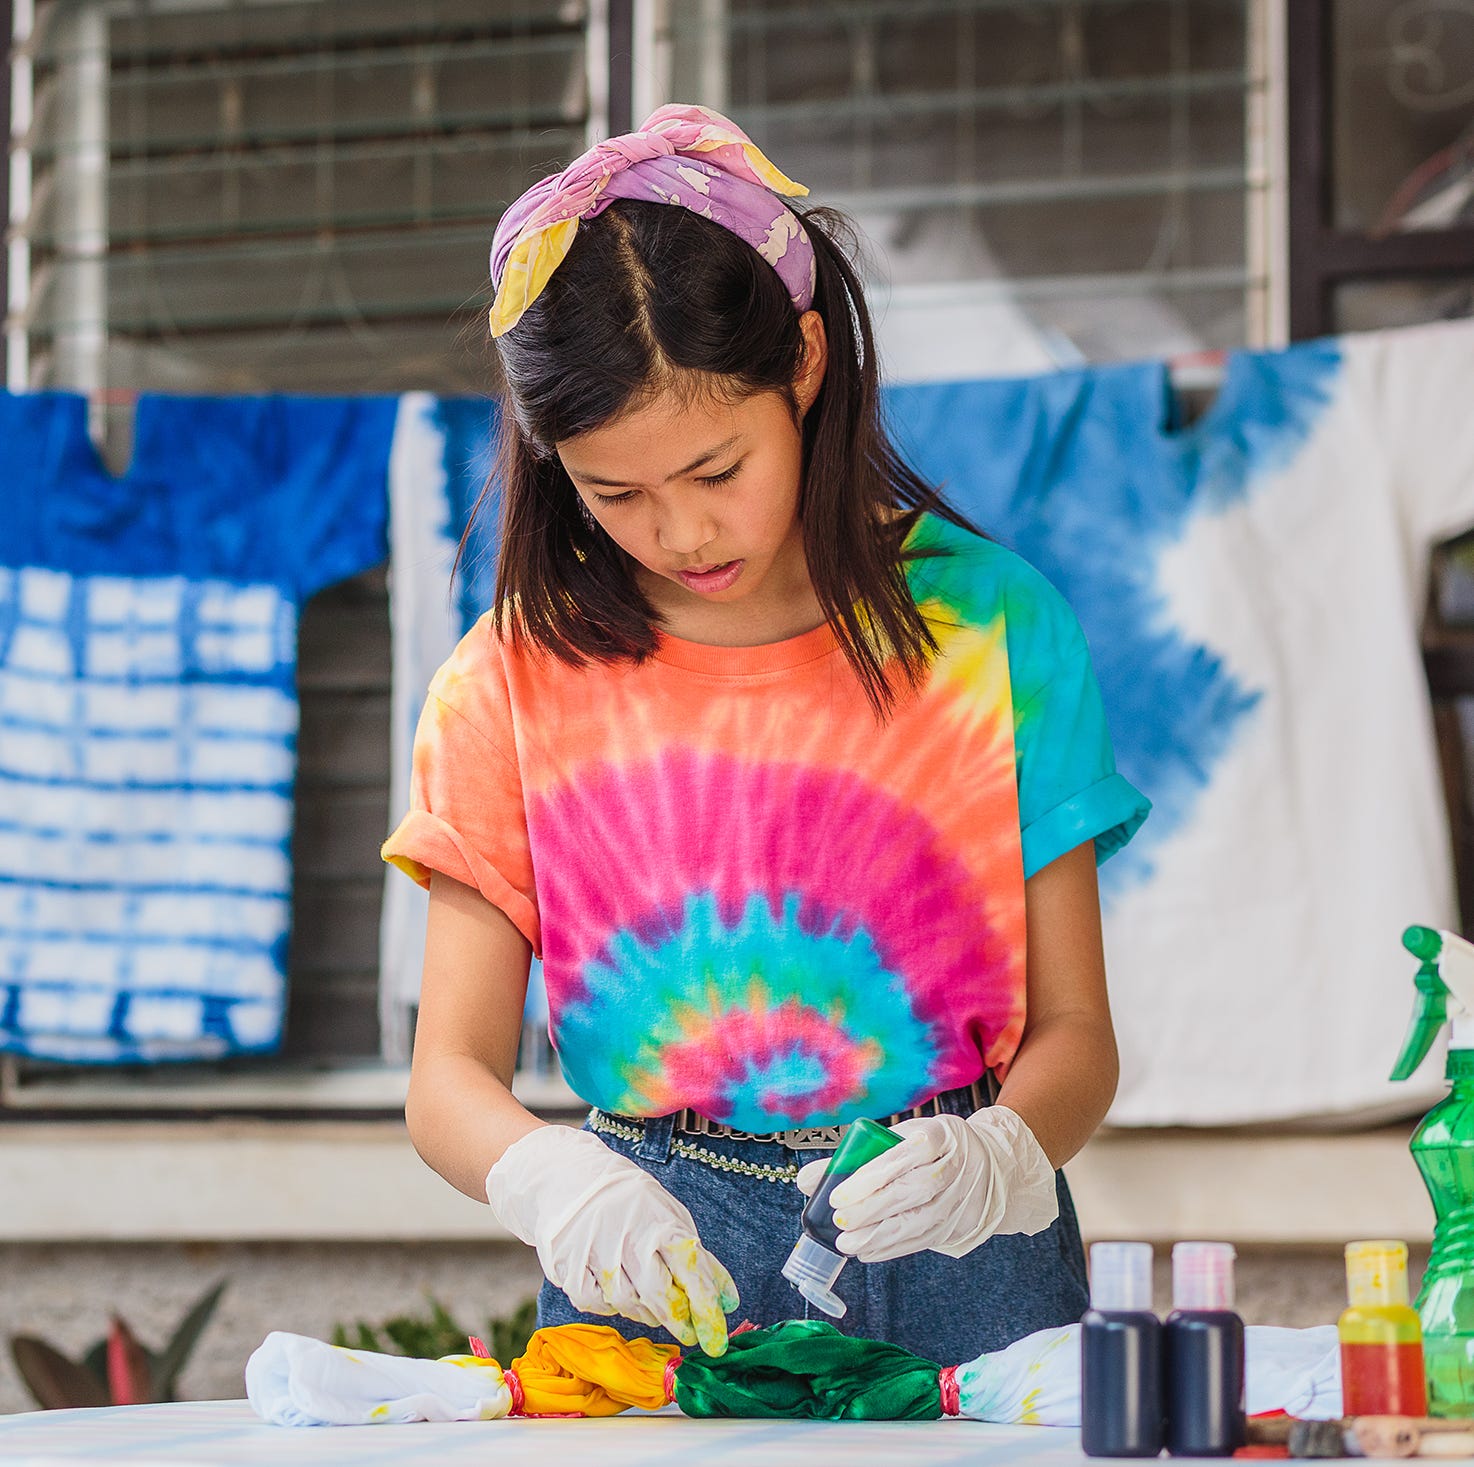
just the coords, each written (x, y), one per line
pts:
(716, 579)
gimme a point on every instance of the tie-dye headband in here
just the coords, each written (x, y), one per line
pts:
(682, 155)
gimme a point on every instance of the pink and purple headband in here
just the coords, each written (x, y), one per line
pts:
(682, 155)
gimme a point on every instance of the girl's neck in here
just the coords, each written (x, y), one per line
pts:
(787, 608)
(738, 626)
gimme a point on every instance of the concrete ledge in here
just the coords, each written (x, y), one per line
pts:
(225, 1181)
(1251, 1186)
(241, 1181)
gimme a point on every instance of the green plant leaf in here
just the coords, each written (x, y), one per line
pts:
(172, 1359)
(429, 1338)
(55, 1381)
(95, 1360)
(507, 1337)
(424, 1338)
(362, 1338)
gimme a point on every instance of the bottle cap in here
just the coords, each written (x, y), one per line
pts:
(1202, 1275)
(1376, 1273)
(1121, 1276)
(812, 1269)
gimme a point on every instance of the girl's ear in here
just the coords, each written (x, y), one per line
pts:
(816, 358)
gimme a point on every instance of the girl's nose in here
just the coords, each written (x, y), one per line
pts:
(685, 534)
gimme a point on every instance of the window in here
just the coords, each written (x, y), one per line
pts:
(1081, 180)
(284, 194)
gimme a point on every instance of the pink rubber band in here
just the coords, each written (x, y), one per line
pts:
(515, 1386)
(478, 1347)
(951, 1391)
(670, 1377)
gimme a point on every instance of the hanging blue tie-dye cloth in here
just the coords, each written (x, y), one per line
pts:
(148, 712)
(1252, 585)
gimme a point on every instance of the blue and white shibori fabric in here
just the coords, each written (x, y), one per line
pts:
(148, 711)
(1252, 587)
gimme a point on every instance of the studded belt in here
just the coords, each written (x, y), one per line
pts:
(821, 1138)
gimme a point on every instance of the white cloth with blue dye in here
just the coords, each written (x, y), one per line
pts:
(1252, 587)
(148, 711)
(441, 462)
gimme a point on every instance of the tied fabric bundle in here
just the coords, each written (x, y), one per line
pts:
(807, 1369)
(568, 1370)
(684, 155)
(802, 1369)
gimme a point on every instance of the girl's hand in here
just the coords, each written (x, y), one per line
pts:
(951, 1184)
(610, 1236)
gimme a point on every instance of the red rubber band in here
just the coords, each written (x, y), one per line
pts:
(951, 1391)
(515, 1386)
(478, 1348)
(670, 1378)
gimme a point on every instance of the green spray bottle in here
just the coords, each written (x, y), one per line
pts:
(1443, 1148)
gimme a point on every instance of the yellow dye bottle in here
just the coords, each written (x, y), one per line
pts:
(1381, 1338)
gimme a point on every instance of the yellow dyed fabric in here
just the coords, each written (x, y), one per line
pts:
(591, 1369)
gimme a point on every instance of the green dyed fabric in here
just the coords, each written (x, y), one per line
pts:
(807, 1369)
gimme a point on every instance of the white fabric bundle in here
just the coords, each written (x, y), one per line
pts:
(1036, 1380)
(292, 1380)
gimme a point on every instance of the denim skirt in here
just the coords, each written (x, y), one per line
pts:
(746, 1206)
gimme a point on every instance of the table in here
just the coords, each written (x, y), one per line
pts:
(218, 1433)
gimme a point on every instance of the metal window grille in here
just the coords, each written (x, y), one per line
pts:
(1094, 178)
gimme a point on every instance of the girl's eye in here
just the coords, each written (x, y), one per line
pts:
(724, 476)
(615, 498)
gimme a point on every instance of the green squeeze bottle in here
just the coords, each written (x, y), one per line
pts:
(1443, 1148)
(815, 1262)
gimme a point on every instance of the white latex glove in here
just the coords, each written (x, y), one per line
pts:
(610, 1236)
(951, 1184)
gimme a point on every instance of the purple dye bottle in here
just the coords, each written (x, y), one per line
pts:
(1204, 1342)
(1120, 1356)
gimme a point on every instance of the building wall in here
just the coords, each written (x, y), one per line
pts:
(64, 1294)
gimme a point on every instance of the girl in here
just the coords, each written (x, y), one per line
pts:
(795, 781)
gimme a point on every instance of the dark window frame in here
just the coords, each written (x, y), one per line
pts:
(1321, 255)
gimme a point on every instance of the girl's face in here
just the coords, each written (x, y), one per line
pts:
(703, 493)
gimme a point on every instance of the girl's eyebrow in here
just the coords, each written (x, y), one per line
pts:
(696, 463)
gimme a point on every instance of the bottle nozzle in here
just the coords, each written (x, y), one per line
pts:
(1121, 1276)
(1202, 1275)
(812, 1269)
(1376, 1273)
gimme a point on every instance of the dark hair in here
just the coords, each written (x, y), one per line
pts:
(651, 296)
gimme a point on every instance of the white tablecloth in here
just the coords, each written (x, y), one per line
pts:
(207, 1433)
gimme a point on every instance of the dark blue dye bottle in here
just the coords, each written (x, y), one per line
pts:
(1121, 1356)
(1204, 1342)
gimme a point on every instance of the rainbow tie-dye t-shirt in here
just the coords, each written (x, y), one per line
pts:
(751, 897)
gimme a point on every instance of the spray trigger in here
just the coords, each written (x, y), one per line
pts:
(1445, 985)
